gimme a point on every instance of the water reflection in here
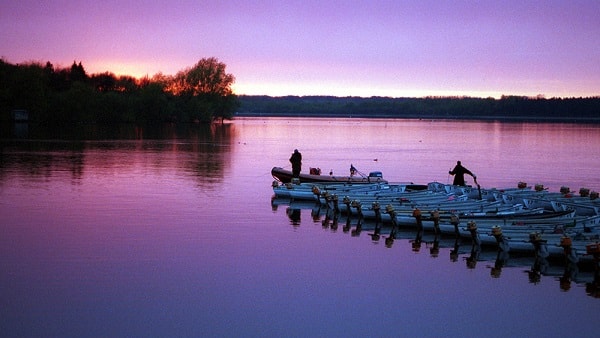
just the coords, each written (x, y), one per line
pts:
(499, 263)
(294, 215)
(331, 219)
(540, 264)
(434, 250)
(40, 159)
(475, 244)
(593, 288)
(454, 252)
(49, 151)
(473, 257)
(95, 226)
(566, 272)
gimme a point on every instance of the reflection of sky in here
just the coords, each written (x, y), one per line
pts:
(500, 154)
(135, 246)
(364, 48)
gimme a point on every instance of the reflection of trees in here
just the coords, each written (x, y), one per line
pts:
(39, 159)
(202, 151)
(211, 151)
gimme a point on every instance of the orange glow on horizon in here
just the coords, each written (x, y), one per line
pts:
(139, 70)
(136, 69)
(301, 89)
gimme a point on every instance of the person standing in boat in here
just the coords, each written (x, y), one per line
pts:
(459, 174)
(296, 160)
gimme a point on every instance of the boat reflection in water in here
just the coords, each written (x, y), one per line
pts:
(566, 271)
(475, 245)
(292, 209)
(593, 288)
(540, 264)
(294, 215)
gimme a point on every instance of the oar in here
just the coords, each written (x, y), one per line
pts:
(478, 186)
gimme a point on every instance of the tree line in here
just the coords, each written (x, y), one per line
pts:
(201, 93)
(505, 108)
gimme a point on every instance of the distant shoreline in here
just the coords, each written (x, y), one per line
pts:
(506, 109)
(584, 120)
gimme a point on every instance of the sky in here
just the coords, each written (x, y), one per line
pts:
(343, 48)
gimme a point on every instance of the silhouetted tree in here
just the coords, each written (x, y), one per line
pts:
(78, 73)
(104, 82)
(207, 87)
(226, 106)
(126, 83)
(207, 77)
(203, 93)
(153, 105)
(23, 87)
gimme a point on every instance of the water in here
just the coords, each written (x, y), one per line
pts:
(171, 232)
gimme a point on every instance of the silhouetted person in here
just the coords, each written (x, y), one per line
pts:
(459, 174)
(296, 160)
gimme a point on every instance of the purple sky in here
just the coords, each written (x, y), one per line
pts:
(363, 48)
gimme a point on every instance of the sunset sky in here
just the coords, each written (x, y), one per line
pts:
(359, 48)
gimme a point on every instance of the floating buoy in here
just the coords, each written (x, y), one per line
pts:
(584, 192)
(454, 219)
(416, 213)
(535, 237)
(471, 226)
(593, 248)
(566, 241)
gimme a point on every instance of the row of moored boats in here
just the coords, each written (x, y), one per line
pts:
(525, 218)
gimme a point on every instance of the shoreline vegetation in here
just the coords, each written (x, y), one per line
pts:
(507, 108)
(41, 93)
(44, 94)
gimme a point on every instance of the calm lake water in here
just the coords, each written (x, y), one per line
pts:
(170, 232)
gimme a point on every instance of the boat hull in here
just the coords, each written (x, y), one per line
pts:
(285, 176)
